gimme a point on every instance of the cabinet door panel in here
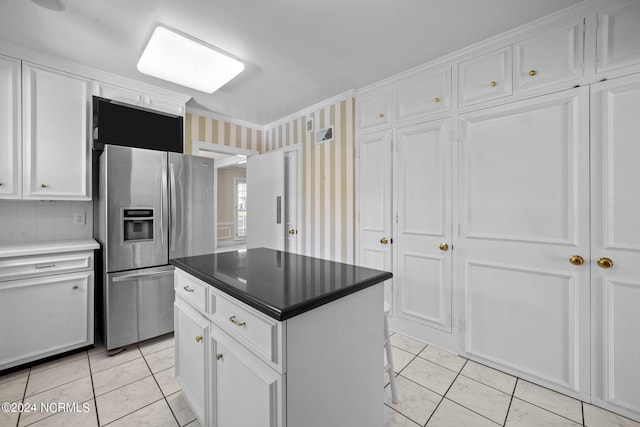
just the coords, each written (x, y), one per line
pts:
(10, 141)
(616, 236)
(423, 203)
(425, 93)
(485, 78)
(617, 36)
(56, 108)
(247, 392)
(45, 316)
(192, 366)
(374, 109)
(551, 57)
(375, 203)
(524, 206)
(105, 90)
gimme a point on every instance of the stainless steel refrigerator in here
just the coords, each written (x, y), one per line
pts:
(152, 206)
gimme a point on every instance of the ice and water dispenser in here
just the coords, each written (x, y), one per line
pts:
(137, 224)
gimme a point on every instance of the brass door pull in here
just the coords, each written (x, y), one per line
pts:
(198, 338)
(233, 320)
(533, 73)
(218, 356)
(605, 263)
(292, 231)
(384, 240)
(576, 260)
(436, 99)
(43, 185)
(381, 115)
(444, 247)
(492, 83)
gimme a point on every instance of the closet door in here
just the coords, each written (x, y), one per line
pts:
(374, 225)
(524, 238)
(422, 242)
(615, 268)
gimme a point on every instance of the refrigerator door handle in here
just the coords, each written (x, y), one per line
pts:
(129, 277)
(278, 209)
(172, 180)
(163, 192)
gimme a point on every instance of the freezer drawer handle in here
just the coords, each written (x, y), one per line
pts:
(233, 320)
(188, 289)
(141, 275)
(39, 267)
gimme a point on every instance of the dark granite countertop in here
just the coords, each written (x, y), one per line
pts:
(279, 284)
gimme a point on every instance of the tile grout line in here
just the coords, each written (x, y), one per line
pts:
(513, 392)
(24, 396)
(164, 397)
(445, 393)
(93, 389)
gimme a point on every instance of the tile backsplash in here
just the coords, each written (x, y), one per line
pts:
(27, 221)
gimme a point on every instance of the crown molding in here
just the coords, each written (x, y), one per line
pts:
(223, 118)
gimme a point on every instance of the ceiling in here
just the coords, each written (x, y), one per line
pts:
(296, 52)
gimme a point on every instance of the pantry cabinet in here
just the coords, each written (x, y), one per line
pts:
(485, 78)
(56, 135)
(427, 92)
(618, 33)
(615, 239)
(375, 110)
(10, 131)
(552, 57)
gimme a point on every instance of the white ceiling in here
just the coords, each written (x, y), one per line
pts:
(296, 52)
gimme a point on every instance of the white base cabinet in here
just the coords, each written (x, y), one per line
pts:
(46, 305)
(320, 368)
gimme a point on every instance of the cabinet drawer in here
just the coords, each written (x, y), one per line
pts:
(485, 78)
(259, 333)
(554, 56)
(191, 290)
(425, 93)
(375, 109)
(44, 265)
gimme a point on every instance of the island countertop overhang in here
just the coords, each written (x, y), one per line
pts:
(277, 283)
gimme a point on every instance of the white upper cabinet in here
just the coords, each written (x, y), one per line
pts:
(618, 36)
(116, 93)
(552, 57)
(56, 145)
(10, 143)
(485, 77)
(375, 109)
(427, 92)
(163, 104)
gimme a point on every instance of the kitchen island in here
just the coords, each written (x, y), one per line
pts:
(270, 338)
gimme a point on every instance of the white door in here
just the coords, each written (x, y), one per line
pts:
(56, 146)
(192, 364)
(524, 212)
(247, 392)
(422, 244)
(615, 220)
(265, 201)
(291, 201)
(374, 223)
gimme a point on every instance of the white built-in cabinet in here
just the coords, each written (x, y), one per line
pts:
(46, 304)
(615, 244)
(529, 178)
(56, 135)
(10, 129)
(139, 98)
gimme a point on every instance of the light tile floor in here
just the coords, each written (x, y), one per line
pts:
(436, 388)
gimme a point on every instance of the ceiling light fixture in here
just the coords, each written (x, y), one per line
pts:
(173, 57)
(56, 5)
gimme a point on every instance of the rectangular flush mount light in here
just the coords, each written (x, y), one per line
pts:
(178, 59)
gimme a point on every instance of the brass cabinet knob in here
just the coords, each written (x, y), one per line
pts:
(436, 99)
(605, 263)
(533, 73)
(43, 185)
(381, 115)
(198, 338)
(576, 260)
(492, 83)
(292, 231)
(218, 356)
(444, 247)
(384, 240)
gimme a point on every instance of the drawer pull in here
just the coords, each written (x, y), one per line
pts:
(218, 356)
(198, 338)
(40, 267)
(533, 73)
(75, 287)
(233, 320)
(381, 115)
(188, 289)
(492, 83)
(436, 99)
